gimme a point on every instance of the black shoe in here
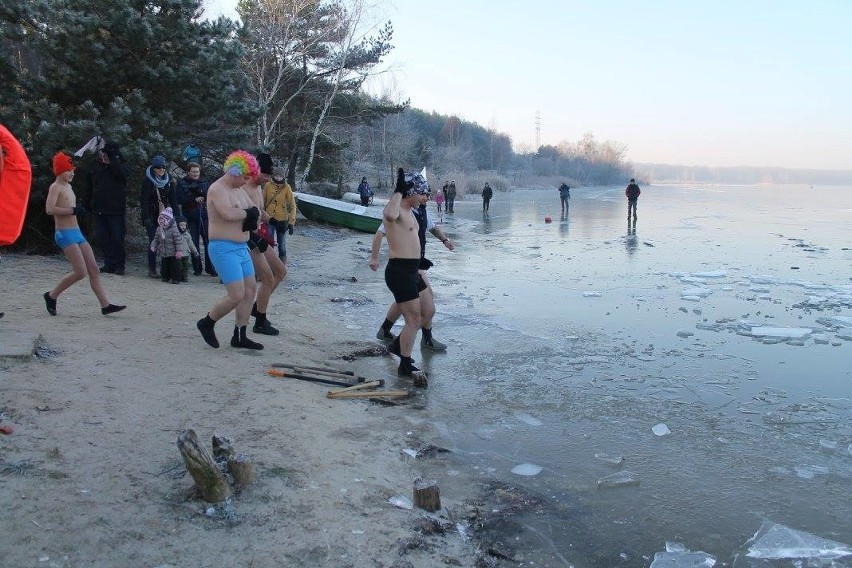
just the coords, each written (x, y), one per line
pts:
(50, 303)
(118, 272)
(384, 335)
(107, 270)
(245, 343)
(152, 273)
(111, 309)
(264, 328)
(207, 332)
(197, 273)
(407, 371)
(393, 349)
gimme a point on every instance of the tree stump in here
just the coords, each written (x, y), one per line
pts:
(243, 471)
(427, 496)
(222, 448)
(208, 478)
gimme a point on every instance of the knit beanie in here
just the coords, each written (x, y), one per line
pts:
(166, 217)
(62, 163)
(278, 174)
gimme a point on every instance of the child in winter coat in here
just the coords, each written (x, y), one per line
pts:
(169, 246)
(189, 246)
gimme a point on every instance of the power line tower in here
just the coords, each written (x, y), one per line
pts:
(537, 130)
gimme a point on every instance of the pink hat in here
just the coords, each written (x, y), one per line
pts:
(166, 216)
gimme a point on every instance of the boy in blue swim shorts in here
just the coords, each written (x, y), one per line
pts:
(62, 205)
(231, 215)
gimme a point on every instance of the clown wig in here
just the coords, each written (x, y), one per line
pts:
(241, 163)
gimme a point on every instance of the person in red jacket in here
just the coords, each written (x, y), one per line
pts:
(632, 192)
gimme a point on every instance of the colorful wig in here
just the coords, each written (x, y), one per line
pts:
(241, 163)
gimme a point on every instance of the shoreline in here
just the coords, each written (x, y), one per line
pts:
(92, 473)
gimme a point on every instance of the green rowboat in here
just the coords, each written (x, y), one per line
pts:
(342, 213)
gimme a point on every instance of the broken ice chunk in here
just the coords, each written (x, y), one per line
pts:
(775, 542)
(528, 469)
(592, 294)
(782, 332)
(660, 429)
(622, 478)
(677, 555)
(610, 458)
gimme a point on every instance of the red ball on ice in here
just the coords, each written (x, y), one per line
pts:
(547, 219)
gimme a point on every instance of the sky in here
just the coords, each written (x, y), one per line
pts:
(715, 83)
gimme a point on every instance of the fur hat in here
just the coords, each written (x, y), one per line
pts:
(62, 163)
(264, 160)
(278, 174)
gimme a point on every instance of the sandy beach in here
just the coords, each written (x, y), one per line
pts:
(92, 476)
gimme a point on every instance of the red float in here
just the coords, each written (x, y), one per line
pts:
(15, 180)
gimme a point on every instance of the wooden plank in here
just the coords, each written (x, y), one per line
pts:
(371, 394)
(370, 385)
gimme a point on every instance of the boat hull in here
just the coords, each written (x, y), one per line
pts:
(343, 214)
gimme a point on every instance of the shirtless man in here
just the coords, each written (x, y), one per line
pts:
(427, 297)
(62, 205)
(231, 215)
(270, 269)
(401, 272)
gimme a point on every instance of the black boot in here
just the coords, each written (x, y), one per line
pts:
(240, 340)
(205, 326)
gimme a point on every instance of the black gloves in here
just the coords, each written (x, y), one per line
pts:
(289, 228)
(255, 241)
(252, 217)
(79, 210)
(402, 186)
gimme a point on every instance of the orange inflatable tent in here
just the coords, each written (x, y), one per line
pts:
(15, 181)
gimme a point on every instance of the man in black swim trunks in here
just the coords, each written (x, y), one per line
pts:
(401, 274)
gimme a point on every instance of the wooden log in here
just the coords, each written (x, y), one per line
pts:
(370, 385)
(370, 394)
(208, 478)
(427, 496)
(243, 471)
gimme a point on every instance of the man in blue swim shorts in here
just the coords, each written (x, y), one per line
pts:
(231, 215)
(62, 205)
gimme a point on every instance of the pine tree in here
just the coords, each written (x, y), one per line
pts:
(153, 76)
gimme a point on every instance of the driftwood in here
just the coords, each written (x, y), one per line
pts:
(208, 478)
(427, 496)
(243, 471)
(222, 449)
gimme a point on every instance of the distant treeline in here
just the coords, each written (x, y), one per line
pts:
(661, 173)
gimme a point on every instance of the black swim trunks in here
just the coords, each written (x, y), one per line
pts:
(402, 279)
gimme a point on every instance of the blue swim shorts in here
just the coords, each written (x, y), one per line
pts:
(231, 259)
(66, 237)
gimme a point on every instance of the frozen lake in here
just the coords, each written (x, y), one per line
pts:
(723, 322)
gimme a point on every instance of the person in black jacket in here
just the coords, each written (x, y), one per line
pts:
(105, 195)
(156, 195)
(191, 194)
(632, 192)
